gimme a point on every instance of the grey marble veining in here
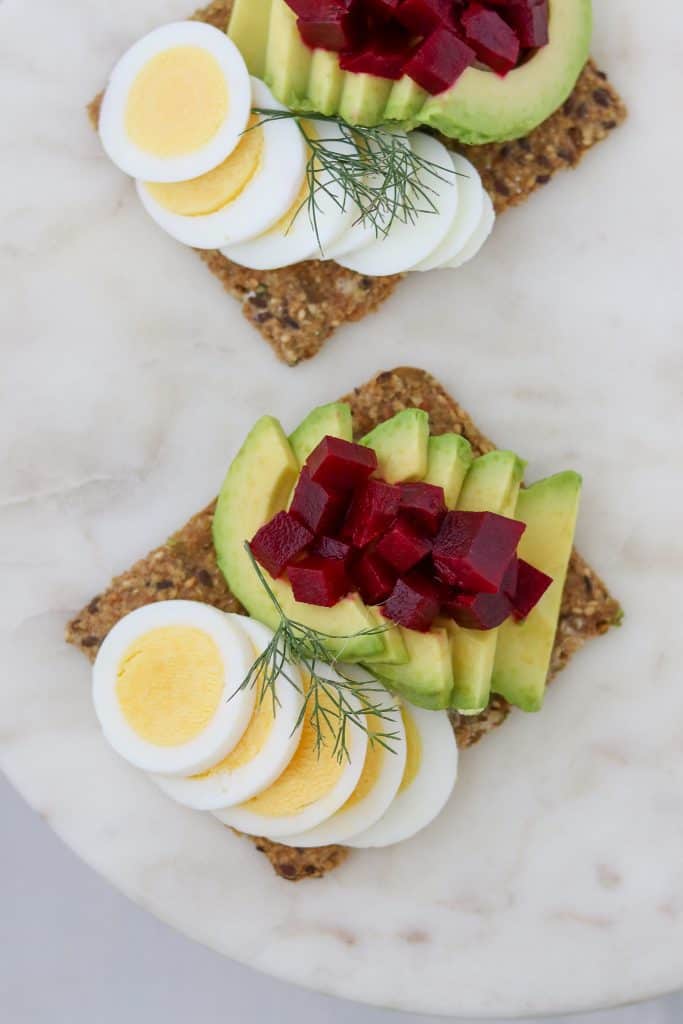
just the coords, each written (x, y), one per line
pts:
(127, 381)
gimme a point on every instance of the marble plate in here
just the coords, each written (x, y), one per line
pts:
(555, 879)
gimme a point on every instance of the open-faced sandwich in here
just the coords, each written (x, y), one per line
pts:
(315, 151)
(402, 589)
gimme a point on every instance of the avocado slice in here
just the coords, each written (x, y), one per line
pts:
(492, 485)
(427, 678)
(258, 486)
(395, 652)
(248, 30)
(522, 662)
(483, 107)
(449, 459)
(333, 420)
(480, 107)
(325, 82)
(401, 445)
(288, 59)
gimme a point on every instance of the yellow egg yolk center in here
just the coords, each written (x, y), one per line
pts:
(177, 103)
(252, 743)
(215, 190)
(307, 778)
(372, 769)
(170, 683)
(413, 751)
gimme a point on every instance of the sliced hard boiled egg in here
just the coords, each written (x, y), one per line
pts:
(430, 774)
(166, 687)
(265, 749)
(311, 789)
(176, 104)
(293, 238)
(409, 243)
(468, 217)
(377, 787)
(480, 236)
(245, 195)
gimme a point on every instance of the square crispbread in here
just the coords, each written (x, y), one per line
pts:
(185, 568)
(298, 308)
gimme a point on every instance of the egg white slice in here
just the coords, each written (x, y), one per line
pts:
(480, 236)
(377, 787)
(265, 198)
(265, 749)
(136, 161)
(429, 782)
(409, 243)
(468, 217)
(293, 239)
(214, 728)
(288, 806)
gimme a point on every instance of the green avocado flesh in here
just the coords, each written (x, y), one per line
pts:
(258, 486)
(332, 420)
(449, 459)
(402, 446)
(492, 485)
(427, 677)
(522, 662)
(480, 107)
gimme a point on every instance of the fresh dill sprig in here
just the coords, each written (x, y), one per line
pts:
(333, 703)
(374, 170)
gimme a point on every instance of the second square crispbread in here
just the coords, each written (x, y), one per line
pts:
(297, 309)
(185, 567)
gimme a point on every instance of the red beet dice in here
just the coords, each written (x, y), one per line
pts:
(384, 53)
(340, 464)
(316, 506)
(423, 16)
(321, 581)
(327, 24)
(373, 510)
(425, 505)
(383, 8)
(530, 22)
(473, 550)
(509, 584)
(402, 546)
(414, 602)
(479, 611)
(372, 576)
(330, 547)
(491, 38)
(531, 586)
(279, 542)
(440, 61)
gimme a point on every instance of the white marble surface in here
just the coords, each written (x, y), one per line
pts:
(555, 880)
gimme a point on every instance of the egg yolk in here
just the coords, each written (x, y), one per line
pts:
(216, 189)
(372, 769)
(251, 744)
(170, 684)
(307, 779)
(413, 751)
(177, 103)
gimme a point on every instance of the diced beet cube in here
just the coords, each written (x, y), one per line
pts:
(330, 547)
(321, 581)
(279, 542)
(373, 577)
(479, 611)
(383, 8)
(341, 464)
(440, 61)
(531, 586)
(530, 22)
(316, 506)
(373, 510)
(425, 504)
(326, 24)
(473, 550)
(383, 54)
(509, 584)
(402, 546)
(491, 38)
(414, 602)
(423, 16)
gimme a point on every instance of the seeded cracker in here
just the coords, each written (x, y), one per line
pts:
(185, 568)
(297, 309)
